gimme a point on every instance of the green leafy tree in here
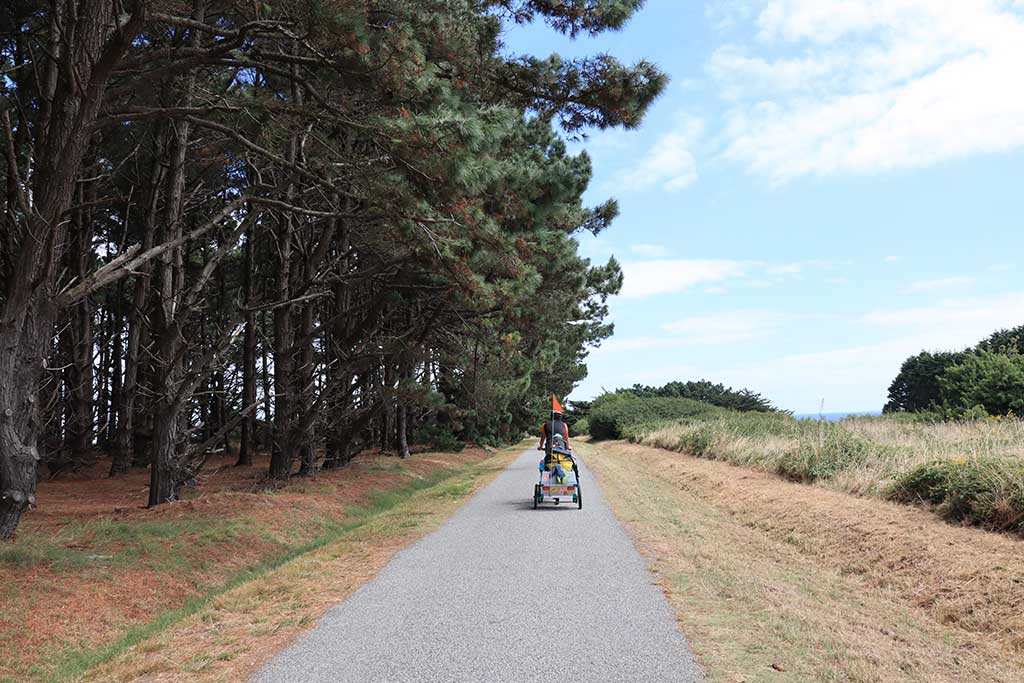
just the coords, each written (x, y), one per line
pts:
(720, 395)
(1004, 341)
(992, 381)
(916, 387)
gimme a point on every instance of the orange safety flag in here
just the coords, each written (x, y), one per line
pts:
(555, 405)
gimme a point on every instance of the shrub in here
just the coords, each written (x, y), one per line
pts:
(984, 490)
(704, 391)
(616, 416)
(991, 382)
(836, 451)
(581, 427)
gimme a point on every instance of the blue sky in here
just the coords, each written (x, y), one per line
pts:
(826, 187)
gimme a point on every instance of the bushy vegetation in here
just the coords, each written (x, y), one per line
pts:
(987, 379)
(720, 395)
(621, 415)
(984, 490)
(971, 470)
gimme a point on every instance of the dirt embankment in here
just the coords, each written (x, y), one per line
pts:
(827, 585)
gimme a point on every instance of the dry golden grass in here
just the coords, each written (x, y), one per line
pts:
(861, 455)
(830, 587)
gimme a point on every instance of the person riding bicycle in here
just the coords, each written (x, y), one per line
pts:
(554, 441)
(552, 427)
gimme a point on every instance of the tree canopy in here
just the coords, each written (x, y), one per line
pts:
(312, 225)
(720, 395)
(982, 380)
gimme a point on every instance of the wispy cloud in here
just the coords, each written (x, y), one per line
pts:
(727, 327)
(892, 259)
(824, 86)
(669, 163)
(650, 250)
(956, 320)
(666, 276)
(644, 278)
(958, 281)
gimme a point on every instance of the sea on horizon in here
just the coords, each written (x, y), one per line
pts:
(832, 417)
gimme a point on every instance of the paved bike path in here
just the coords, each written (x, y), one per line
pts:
(502, 593)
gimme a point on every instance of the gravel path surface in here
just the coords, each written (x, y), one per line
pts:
(500, 593)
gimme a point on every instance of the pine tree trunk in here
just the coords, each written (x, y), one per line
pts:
(20, 369)
(116, 352)
(283, 448)
(246, 446)
(28, 313)
(164, 482)
(284, 381)
(403, 439)
(267, 437)
(79, 371)
(169, 286)
(304, 394)
(124, 441)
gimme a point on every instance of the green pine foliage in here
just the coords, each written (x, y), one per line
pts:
(993, 382)
(743, 400)
(987, 379)
(376, 196)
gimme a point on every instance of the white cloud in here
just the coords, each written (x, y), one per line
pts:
(667, 276)
(650, 250)
(892, 259)
(669, 163)
(943, 283)
(728, 327)
(864, 85)
(851, 378)
(856, 377)
(956, 321)
(644, 278)
(724, 328)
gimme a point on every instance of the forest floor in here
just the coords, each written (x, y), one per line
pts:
(94, 579)
(779, 581)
